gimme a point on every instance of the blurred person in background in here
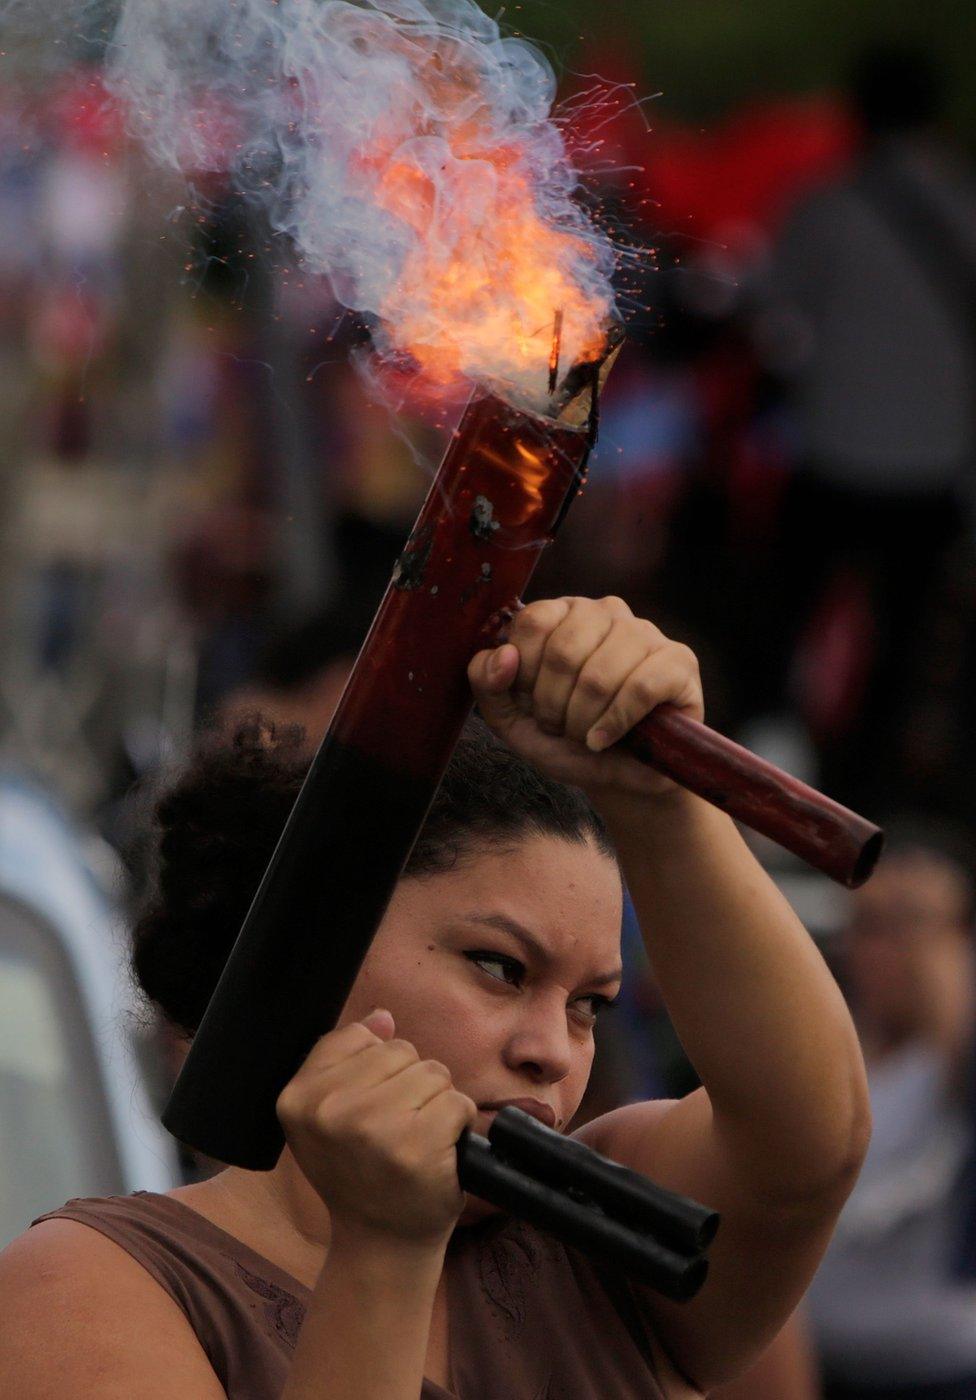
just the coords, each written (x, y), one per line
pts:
(892, 1319)
(872, 322)
(300, 674)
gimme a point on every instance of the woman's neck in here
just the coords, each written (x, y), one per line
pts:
(277, 1213)
(289, 1193)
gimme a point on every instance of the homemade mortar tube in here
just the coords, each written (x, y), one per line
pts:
(675, 1221)
(504, 487)
(498, 498)
(675, 1275)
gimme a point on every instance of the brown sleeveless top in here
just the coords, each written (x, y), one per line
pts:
(529, 1319)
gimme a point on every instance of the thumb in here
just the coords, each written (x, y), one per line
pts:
(381, 1023)
(492, 675)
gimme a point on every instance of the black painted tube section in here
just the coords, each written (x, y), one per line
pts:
(627, 1196)
(677, 1276)
(317, 908)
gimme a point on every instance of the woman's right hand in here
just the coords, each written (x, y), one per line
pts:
(374, 1129)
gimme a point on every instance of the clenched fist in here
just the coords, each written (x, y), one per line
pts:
(575, 675)
(374, 1129)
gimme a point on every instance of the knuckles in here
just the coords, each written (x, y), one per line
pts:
(466, 1107)
(400, 1052)
(593, 686)
(645, 691)
(687, 657)
(286, 1105)
(538, 619)
(339, 1114)
(375, 1137)
(327, 1119)
(562, 657)
(616, 606)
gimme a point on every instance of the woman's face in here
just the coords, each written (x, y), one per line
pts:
(498, 969)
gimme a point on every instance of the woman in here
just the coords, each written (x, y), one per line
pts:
(482, 987)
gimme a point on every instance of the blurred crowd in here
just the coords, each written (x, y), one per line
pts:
(200, 505)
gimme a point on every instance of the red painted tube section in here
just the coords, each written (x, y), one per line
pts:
(494, 506)
(829, 837)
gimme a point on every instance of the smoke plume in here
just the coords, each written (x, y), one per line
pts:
(408, 149)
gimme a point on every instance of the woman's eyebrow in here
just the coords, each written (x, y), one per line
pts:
(528, 940)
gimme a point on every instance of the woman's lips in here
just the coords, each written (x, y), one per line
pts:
(542, 1111)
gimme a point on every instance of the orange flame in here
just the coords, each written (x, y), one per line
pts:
(409, 150)
(479, 230)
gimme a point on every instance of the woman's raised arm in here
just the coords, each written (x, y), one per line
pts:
(777, 1135)
(775, 1138)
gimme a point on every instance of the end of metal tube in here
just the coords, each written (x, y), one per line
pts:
(867, 861)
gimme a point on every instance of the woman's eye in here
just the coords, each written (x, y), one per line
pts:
(596, 1005)
(509, 965)
(513, 973)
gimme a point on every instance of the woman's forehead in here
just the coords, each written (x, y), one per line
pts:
(543, 866)
(565, 894)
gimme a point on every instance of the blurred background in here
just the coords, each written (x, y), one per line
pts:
(200, 508)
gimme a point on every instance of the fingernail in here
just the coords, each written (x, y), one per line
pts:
(597, 740)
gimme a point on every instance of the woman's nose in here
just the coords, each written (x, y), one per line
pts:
(540, 1045)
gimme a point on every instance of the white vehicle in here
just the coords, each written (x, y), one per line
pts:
(76, 1112)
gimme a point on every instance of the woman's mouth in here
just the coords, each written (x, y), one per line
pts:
(544, 1112)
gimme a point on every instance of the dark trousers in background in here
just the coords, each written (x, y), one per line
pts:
(890, 550)
(945, 1390)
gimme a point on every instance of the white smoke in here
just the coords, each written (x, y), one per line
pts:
(323, 105)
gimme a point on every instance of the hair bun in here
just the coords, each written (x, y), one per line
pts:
(216, 830)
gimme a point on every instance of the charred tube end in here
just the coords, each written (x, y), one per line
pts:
(866, 862)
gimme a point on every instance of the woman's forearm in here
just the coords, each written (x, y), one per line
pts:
(366, 1331)
(753, 1003)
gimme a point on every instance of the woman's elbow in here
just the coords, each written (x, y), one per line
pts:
(846, 1145)
(820, 1167)
(859, 1138)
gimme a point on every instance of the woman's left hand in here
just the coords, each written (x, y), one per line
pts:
(574, 677)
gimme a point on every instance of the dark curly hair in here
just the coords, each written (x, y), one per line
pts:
(217, 826)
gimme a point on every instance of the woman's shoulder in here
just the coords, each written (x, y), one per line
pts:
(82, 1317)
(60, 1253)
(152, 1234)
